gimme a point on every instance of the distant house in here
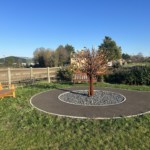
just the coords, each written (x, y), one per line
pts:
(74, 59)
(111, 63)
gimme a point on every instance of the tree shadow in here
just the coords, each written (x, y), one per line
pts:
(72, 91)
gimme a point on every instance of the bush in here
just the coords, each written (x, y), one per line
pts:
(116, 65)
(137, 75)
(100, 78)
(65, 74)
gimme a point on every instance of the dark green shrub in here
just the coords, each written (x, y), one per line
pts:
(117, 76)
(137, 75)
(100, 78)
(116, 65)
(65, 74)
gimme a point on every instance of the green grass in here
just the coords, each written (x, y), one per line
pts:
(137, 64)
(24, 128)
(123, 86)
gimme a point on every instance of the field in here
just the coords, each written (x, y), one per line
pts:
(23, 127)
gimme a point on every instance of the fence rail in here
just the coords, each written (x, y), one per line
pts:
(13, 75)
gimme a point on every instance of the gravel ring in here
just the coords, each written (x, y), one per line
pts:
(100, 98)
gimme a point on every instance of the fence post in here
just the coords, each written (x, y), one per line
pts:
(9, 77)
(48, 75)
(31, 72)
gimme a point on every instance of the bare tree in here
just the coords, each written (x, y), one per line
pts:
(92, 63)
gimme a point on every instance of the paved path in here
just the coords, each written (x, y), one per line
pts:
(136, 103)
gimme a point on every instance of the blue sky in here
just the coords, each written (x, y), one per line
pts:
(29, 24)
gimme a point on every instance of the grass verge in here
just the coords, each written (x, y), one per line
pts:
(22, 127)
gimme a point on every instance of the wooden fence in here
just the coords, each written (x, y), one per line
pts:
(14, 75)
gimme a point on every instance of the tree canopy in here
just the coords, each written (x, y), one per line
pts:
(43, 57)
(126, 56)
(48, 58)
(110, 48)
(92, 63)
(62, 55)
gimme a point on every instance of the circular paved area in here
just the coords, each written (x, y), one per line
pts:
(136, 103)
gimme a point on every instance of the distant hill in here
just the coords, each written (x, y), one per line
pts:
(13, 60)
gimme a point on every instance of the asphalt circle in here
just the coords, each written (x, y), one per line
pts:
(137, 103)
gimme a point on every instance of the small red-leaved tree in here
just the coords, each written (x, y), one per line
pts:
(92, 63)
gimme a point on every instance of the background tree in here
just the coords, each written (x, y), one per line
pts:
(70, 50)
(43, 57)
(92, 63)
(126, 56)
(147, 59)
(137, 58)
(52, 59)
(112, 51)
(38, 55)
(60, 56)
(48, 58)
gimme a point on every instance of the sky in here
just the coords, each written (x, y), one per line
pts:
(29, 24)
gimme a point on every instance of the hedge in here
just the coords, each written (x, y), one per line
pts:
(137, 75)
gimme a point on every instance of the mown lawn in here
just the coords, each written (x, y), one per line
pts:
(24, 128)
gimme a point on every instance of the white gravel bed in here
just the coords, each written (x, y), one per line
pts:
(100, 98)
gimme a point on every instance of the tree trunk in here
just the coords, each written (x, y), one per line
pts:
(91, 87)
